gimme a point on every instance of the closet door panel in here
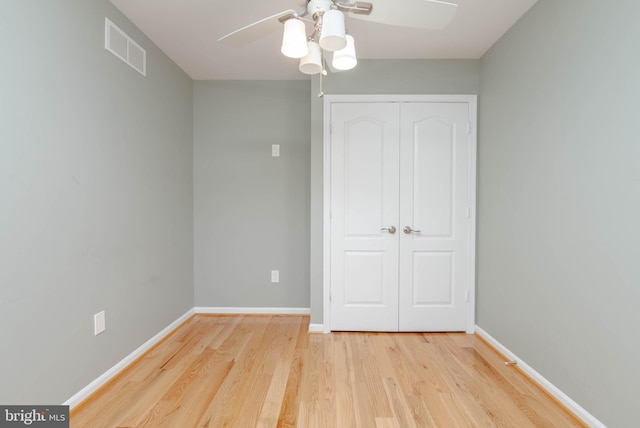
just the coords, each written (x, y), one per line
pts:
(364, 201)
(434, 201)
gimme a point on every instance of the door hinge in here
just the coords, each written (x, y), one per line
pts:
(468, 127)
(467, 296)
(468, 212)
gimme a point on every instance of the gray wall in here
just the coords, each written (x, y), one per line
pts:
(95, 198)
(559, 193)
(251, 210)
(374, 77)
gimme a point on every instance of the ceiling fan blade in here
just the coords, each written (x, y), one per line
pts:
(255, 31)
(425, 14)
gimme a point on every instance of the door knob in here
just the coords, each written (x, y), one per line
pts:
(408, 230)
(391, 229)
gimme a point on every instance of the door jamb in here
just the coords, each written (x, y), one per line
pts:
(326, 182)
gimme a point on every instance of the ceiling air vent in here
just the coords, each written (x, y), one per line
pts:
(121, 45)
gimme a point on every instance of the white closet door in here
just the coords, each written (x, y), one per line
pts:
(364, 201)
(435, 172)
(406, 166)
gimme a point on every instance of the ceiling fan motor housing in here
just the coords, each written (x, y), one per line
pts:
(318, 6)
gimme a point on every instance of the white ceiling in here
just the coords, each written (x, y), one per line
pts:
(188, 30)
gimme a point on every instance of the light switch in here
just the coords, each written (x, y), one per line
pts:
(275, 150)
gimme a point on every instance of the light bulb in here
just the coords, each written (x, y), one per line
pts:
(332, 36)
(345, 59)
(312, 63)
(294, 39)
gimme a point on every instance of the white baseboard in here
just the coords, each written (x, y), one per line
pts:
(316, 328)
(254, 311)
(85, 392)
(544, 383)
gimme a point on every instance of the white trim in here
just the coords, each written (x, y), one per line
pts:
(541, 381)
(473, 203)
(85, 392)
(316, 328)
(266, 311)
(399, 98)
(472, 100)
(326, 212)
(101, 380)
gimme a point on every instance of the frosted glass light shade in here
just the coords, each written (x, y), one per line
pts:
(294, 39)
(332, 36)
(312, 63)
(345, 59)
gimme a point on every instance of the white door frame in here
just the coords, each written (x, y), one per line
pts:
(326, 172)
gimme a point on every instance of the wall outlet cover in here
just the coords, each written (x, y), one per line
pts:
(275, 276)
(99, 323)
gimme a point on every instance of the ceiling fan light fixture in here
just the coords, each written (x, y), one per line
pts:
(345, 59)
(294, 39)
(312, 63)
(333, 34)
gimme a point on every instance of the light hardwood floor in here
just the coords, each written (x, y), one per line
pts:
(268, 371)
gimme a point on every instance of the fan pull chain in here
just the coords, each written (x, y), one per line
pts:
(322, 74)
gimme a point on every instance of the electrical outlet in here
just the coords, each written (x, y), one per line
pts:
(99, 323)
(275, 150)
(275, 276)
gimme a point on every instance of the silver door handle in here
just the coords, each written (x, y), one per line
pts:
(391, 229)
(408, 230)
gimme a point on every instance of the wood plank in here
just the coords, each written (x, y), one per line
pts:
(229, 404)
(282, 351)
(144, 375)
(184, 402)
(345, 401)
(268, 371)
(317, 405)
(290, 402)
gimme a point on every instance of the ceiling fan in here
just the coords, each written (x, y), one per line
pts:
(328, 35)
